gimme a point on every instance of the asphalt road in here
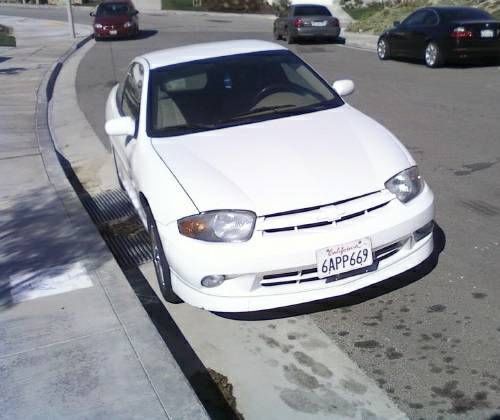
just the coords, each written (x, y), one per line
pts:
(431, 337)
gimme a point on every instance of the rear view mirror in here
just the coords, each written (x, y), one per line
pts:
(92, 14)
(396, 23)
(343, 87)
(123, 126)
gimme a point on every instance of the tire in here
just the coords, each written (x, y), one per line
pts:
(120, 183)
(276, 34)
(433, 55)
(383, 49)
(162, 268)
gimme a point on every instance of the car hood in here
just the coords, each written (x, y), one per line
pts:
(285, 164)
(112, 20)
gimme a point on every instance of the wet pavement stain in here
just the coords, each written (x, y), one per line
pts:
(475, 167)
(479, 295)
(460, 403)
(353, 386)
(392, 354)
(436, 308)
(317, 368)
(368, 344)
(481, 207)
(298, 377)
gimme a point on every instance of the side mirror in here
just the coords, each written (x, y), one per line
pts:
(343, 87)
(92, 14)
(396, 23)
(122, 126)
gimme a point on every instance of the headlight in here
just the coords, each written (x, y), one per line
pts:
(98, 26)
(406, 185)
(127, 24)
(219, 226)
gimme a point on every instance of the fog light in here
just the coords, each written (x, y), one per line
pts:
(212, 281)
(423, 231)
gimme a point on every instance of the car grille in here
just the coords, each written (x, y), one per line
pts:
(325, 215)
(309, 274)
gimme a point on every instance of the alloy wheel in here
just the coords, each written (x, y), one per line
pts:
(382, 49)
(431, 54)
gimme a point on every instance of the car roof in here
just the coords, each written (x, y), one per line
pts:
(444, 8)
(129, 2)
(207, 50)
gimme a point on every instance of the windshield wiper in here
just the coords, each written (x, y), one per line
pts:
(192, 126)
(262, 109)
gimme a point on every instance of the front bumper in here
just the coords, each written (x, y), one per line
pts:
(246, 264)
(115, 32)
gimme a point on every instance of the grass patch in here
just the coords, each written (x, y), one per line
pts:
(360, 13)
(178, 5)
(7, 39)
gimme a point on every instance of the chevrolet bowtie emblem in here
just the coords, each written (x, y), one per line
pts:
(328, 214)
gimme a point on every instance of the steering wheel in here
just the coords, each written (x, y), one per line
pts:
(269, 90)
(281, 87)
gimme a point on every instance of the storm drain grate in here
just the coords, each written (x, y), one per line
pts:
(120, 227)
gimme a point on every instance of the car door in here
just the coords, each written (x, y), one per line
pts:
(405, 35)
(420, 33)
(129, 98)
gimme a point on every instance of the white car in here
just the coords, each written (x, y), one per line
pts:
(259, 185)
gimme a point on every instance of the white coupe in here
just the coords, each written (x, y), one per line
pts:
(260, 187)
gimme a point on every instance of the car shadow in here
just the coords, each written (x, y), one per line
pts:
(372, 292)
(457, 64)
(318, 41)
(143, 34)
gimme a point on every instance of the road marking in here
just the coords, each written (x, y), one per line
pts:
(46, 282)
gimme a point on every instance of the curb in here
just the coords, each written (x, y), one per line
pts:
(170, 386)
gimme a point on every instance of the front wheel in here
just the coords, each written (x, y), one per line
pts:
(383, 49)
(433, 55)
(162, 268)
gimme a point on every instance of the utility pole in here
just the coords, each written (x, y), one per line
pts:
(70, 18)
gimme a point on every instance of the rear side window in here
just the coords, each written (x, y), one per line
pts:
(416, 18)
(431, 18)
(132, 90)
(311, 11)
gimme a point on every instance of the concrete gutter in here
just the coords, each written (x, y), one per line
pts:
(170, 386)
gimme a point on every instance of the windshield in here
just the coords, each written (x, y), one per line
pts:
(465, 14)
(311, 11)
(112, 9)
(238, 89)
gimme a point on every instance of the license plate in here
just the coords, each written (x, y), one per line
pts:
(487, 33)
(113, 32)
(319, 23)
(342, 258)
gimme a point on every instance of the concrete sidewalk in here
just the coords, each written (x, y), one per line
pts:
(74, 340)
